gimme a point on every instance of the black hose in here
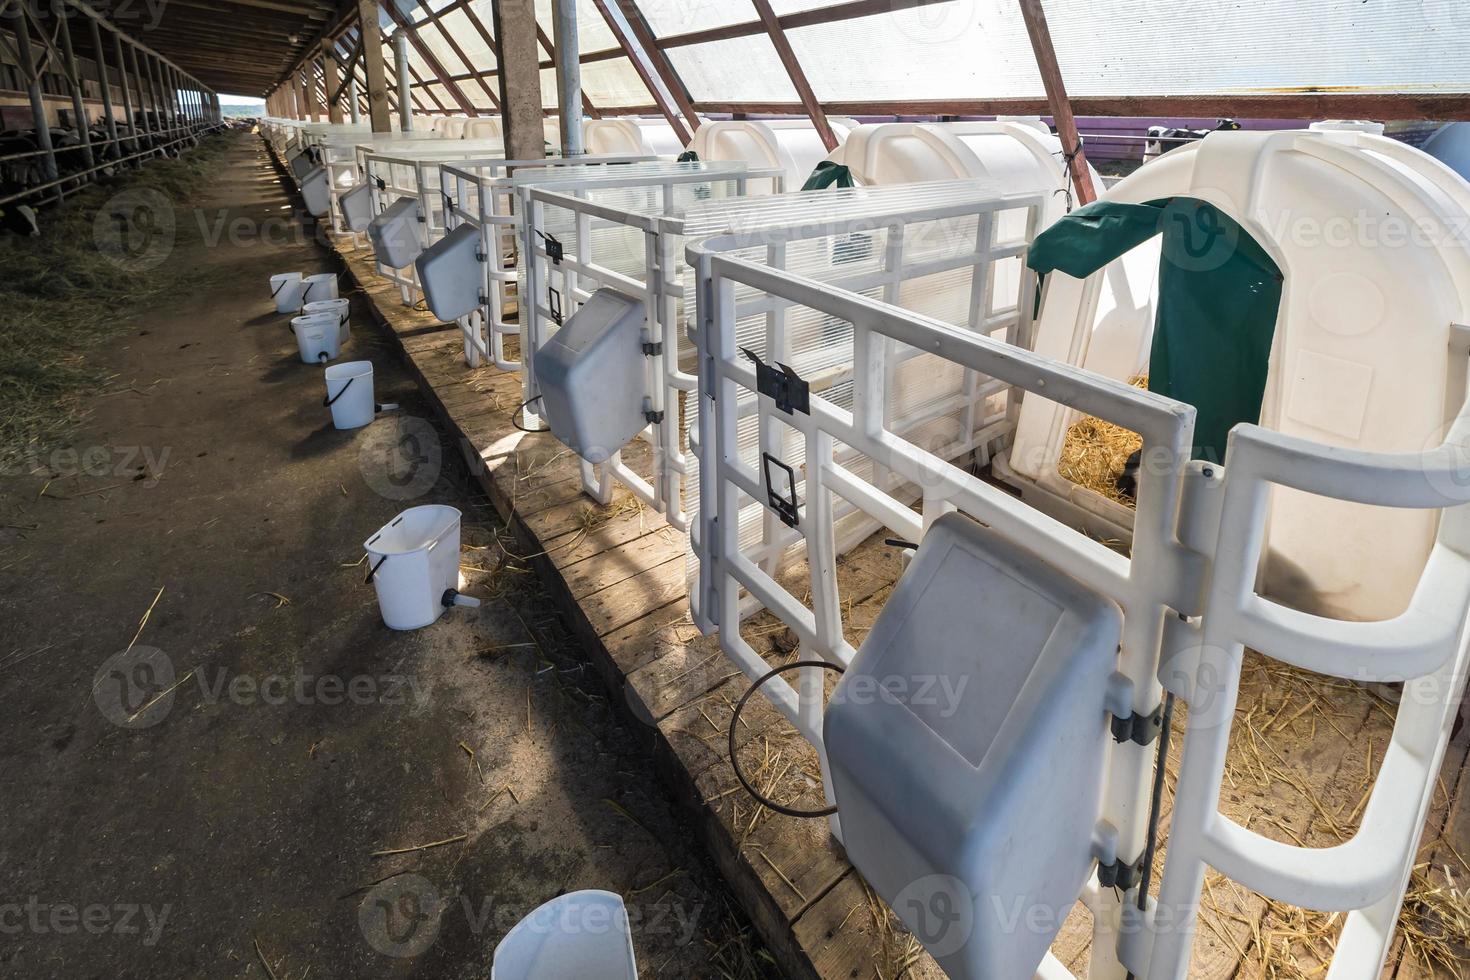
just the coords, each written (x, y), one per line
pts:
(517, 411)
(735, 722)
(1150, 848)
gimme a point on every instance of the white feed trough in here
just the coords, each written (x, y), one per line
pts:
(413, 172)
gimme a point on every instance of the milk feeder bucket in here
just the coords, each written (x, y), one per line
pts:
(341, 308)
(350, 394)
(413, 563)
(318, 337)
(286, 291)
(318, 287)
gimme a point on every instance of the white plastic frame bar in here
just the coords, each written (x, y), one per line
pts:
(1424, 648)
(482, 192)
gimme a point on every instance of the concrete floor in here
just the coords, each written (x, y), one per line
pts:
(206, 794)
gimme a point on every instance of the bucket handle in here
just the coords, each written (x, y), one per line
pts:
(329, 400)
(280, 286)
(374, 570)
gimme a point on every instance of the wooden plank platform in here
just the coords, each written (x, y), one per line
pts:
(1303, 751)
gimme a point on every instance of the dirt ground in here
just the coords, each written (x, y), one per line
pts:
(209, 735)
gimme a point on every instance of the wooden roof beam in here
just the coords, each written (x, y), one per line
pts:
(431, 61)
(798, 76)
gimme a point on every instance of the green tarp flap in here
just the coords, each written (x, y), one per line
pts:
(1219, 293)
(828, 174)
(1089, 238)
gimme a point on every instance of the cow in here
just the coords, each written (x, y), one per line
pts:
(1158, 136)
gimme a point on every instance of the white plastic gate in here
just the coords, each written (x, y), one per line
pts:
(620, 228)
(481, 193)
(413, 171)
(1186, 591)
(951, 250)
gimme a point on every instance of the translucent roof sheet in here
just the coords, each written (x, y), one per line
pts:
(683, 16)
(980, 49)
(954, 51)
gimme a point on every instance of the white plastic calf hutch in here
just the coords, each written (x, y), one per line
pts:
(1036, 790)
(791, 144)
(647, 137)
(618, 229)
(1359, 353)
(479, 193)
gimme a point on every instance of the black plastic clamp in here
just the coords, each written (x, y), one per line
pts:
(1139, 729)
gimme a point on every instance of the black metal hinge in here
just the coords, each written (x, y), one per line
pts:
(650, 350)
(1140, 729)
(553, 301)
(554, 249)
(654, 417)
(785, 387)
(784, 504)
(1120, 874)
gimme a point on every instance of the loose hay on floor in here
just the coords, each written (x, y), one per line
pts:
(1094, 452)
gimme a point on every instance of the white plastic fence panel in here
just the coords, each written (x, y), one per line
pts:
(621, 228)
(852, 458)
(413, 171)
(481, 193)
(936, 249)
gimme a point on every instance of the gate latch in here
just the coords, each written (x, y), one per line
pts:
(784, 504)
(785, 387)
(553, 303)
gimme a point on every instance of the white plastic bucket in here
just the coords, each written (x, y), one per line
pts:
(350, 394)
(580, 934)
(286, 291)
(413, 562)
(321, 286)
(317, 337)
(340, 308)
